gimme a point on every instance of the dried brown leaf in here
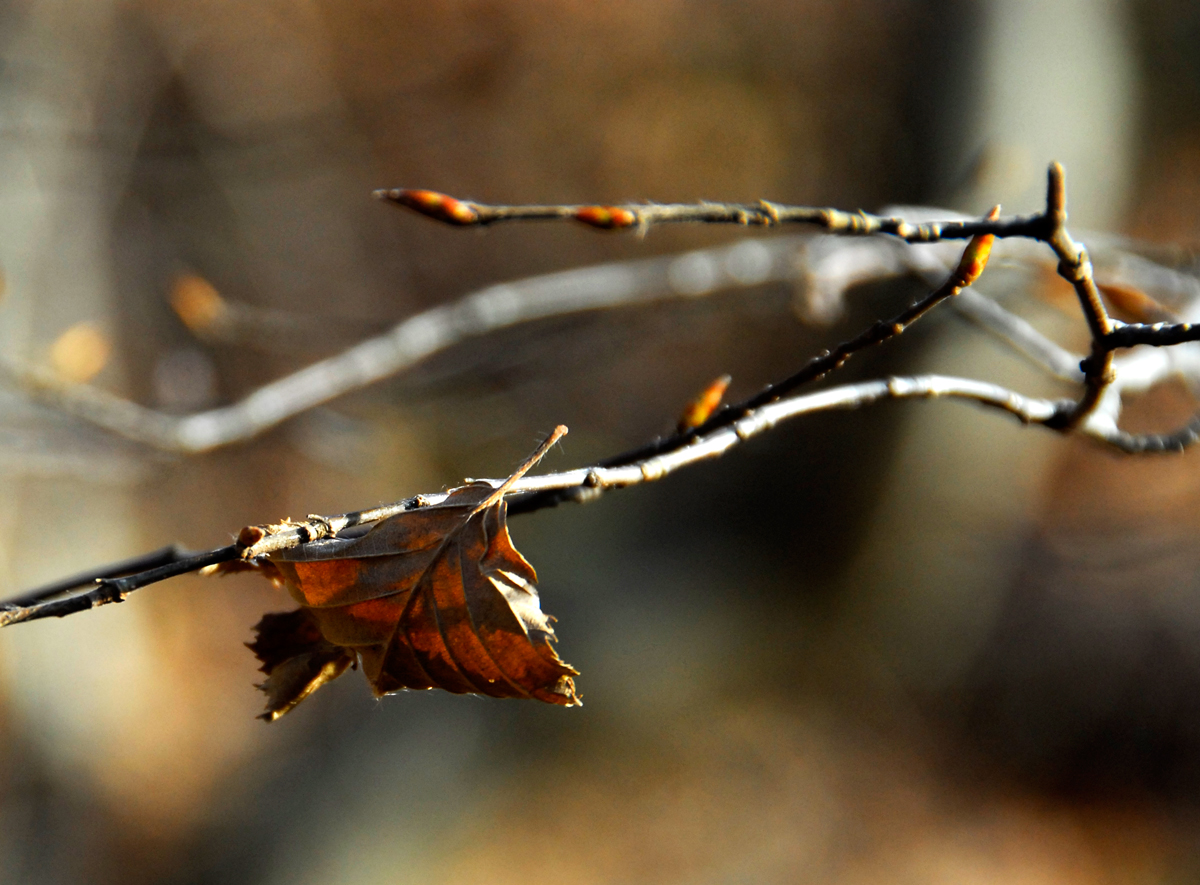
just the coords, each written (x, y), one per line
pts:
(296, 658)
(432, 598)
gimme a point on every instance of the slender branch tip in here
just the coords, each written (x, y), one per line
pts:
(1056, 193)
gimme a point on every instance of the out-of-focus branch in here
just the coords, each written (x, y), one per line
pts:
(604, 286)
(1020, 335)
(217, 320)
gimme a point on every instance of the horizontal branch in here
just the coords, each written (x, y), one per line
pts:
(613, 285)
(1154, 334)
(532, 493)
(641, 216)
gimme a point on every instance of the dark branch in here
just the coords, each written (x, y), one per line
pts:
(1154, 334)
(1155, 443)
(110, 590)
(132, 565)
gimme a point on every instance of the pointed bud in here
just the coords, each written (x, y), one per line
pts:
(701, 408)
(606, 217)
(437, 206)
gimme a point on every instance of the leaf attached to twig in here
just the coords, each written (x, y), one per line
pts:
(431, 598)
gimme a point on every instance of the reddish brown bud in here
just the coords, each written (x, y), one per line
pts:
(437, 206)
(701, 408)
(607, 217)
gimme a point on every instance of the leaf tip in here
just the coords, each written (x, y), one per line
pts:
(561, 693)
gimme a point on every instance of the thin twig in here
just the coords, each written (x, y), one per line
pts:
(133, 565)
(1153, 334)
(467, 213)
(528, 464)
(110, 590)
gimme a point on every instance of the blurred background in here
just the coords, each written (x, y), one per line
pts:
(912, 644)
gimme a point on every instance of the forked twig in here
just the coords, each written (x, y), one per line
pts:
(1048, 226)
